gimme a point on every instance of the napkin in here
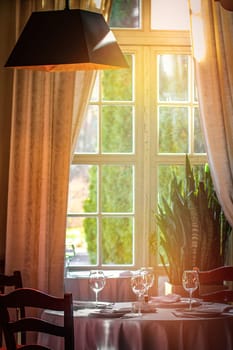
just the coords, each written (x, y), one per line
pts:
(79, 304)
(173, 301)
(107, 313)
(126, 273)
(122, 309)
(198, 313)
(169, 298)
(214, 307)
(205, 310)
(145, 307)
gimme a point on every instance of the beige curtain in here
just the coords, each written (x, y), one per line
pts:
(227, 4)
(84, 80)
(45, 123)
(212, 38)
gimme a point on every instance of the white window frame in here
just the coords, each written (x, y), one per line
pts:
(145, 43)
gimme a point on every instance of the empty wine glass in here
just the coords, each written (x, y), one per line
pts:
(190, 283)
(148, 277)
(97, 282)
(138, 287)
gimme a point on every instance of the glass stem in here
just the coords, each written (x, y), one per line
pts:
(96, 298)
(190, 299)
(140, 306)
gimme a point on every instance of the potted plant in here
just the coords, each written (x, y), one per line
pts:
(192, 227)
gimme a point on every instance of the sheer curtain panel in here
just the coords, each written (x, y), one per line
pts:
(212, 33)
(44, 126)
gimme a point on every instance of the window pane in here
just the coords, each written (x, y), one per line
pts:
(170, 15)
(173, 130)
(80, 198)
(199, 146)
(117, 189)
(90, 230)
(88, 141)
(117, 240)
(125, 14)
(165, 175)
(117, 129)
(78, 241)
(95, 4)
(117, 84)
(173, 77)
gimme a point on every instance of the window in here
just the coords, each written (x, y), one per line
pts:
(139, 125)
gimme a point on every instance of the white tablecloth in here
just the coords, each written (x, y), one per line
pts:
(160, 331)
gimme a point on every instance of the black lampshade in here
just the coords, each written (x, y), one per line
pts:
(66, 40)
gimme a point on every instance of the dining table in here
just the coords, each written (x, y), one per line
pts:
(162, 326)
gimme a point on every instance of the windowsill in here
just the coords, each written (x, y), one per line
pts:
(108, 274)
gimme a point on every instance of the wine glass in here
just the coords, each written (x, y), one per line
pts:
(190, 283)
(148, 277)
(138, 287)
(97, 282)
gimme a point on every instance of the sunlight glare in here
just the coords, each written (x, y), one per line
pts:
(108, 39)
(169, 15)
(199, 47)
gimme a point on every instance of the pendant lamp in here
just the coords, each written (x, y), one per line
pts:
(66, 40)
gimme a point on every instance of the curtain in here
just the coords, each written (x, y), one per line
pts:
(45, 124)
(227, 4)
(85, 80)
(212, 33)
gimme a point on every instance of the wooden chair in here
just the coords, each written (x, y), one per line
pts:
(214, 280)
(14, 281)
(36, 301)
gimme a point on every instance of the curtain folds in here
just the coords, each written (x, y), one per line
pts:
(39, 170)
(212, 33)
(85, 79)
(227, 4)
(46, 116)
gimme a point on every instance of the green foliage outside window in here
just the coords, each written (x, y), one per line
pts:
(116, 189)
(117, 240)
(125, 14)
(90, 224)
(117, 129)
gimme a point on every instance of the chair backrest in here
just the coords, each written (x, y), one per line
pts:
(14, 281)
(219, 291)
(35, 299)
